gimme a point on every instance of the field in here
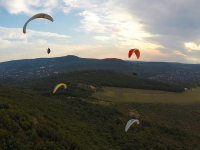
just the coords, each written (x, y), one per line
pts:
(147, 96)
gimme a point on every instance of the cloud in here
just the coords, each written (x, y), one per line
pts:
(15, 44)
(16, 33)
(179, 53)
(83, 4)
(155, 27)
(102, 38)
(121, 27)
(14, 50)
(192, 47)
(28, 7)
(41, 41)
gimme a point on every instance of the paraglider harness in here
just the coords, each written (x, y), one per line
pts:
(48, 50)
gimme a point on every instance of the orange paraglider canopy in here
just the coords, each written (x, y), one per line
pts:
(40, 15)
(136, 51)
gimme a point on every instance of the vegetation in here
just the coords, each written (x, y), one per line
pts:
(96, 78)
(18, 70)
(32, 117)
(36, 120)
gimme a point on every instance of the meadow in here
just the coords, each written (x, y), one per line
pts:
(147, 96)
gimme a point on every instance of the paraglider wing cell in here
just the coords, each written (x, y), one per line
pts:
(137, 53)
(130, 53)
(40, 15)
(130, 122)
(59, 85)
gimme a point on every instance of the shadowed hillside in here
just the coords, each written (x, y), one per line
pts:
(18, 70)
(96, 78)
(30, 121)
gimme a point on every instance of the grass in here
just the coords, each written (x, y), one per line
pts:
(147, 96)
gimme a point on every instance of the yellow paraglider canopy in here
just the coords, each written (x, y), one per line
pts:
(59, 85)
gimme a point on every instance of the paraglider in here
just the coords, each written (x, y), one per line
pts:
(130, 122)
(59, 85)
(136, 51)
(40, 15)
(134, 73)
(48, 50)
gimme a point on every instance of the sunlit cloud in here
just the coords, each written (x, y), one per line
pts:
(102, 38)
(28, 7)
(192, 46)
(179, 53)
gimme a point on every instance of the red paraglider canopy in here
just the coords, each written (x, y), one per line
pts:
(137, 53)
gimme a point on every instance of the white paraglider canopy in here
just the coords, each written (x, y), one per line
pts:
(130, 122)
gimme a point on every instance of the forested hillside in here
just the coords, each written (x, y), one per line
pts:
(19, 70)
(31, 121)
(96, 78)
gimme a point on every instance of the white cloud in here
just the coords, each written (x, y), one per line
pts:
(14, 43)
(41, 41)
(66, 10)
(156, 28)
(16, 33)
(102, 38)
(192, 46)
(30, 50)
(119, 24)
(82, 4)
(28, 6)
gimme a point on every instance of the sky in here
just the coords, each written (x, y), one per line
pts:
(163, 31)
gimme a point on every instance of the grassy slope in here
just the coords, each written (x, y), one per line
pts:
(147, 96)
(172, 109)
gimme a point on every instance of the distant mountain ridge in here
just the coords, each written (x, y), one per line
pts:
(41, 67)
(185, 74)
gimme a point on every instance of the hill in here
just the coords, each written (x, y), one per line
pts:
(96, 78)
(31, 121)
(18, 70)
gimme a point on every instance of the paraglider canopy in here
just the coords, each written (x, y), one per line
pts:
(48, 50)
(59, 85)
(130, 122)
(136, 51)
(40, 15)
(134, 73)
